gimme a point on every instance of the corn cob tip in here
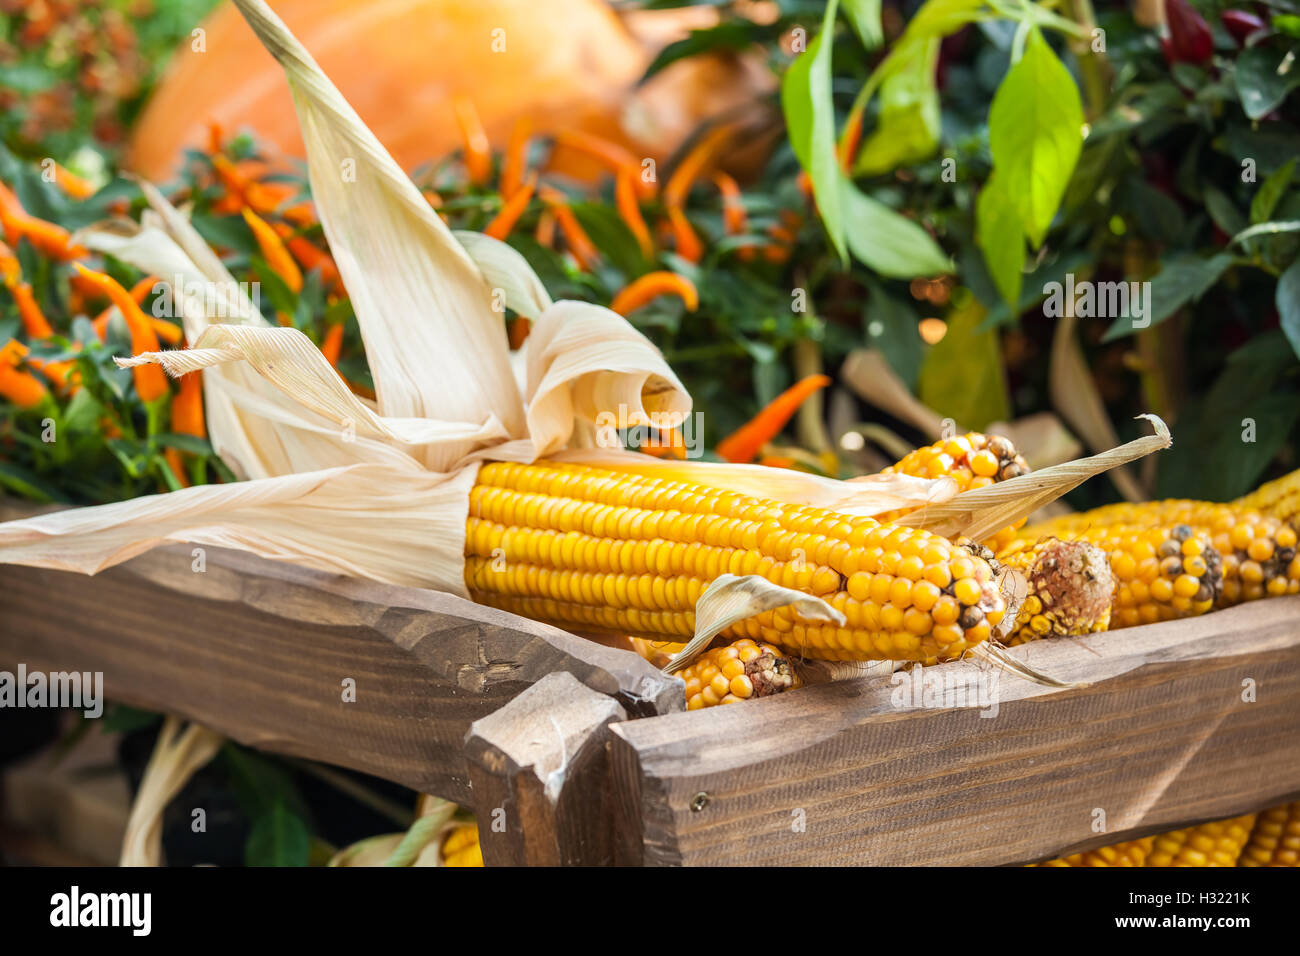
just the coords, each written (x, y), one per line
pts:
(1069, 589)
(738, 671)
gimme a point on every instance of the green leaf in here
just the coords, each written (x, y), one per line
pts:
(1240, 424)
(999, 232)
(1288, 304)
(1036, 134)
(810, 120)
(1271, 192)
(190, 443)
(22, 482)
(731, 35)
(1266, 229)
(889, 324)
(887, 241)
(909, 125)
(1183, 279)
(1223, 211)
(1261, 88)
(961, 377)
(865, 17)
(278, 837)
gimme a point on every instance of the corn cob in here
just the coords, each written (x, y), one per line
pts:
(461, 847)
(1258, 551)
(1278, 499)
(630, 554)
(736, 672)
(973, 460)
(1129, 853)
(1161, 573)
(1211, 844)
(1275, 841)
(1070, 589)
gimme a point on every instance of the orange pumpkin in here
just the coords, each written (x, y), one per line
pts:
(566, 64)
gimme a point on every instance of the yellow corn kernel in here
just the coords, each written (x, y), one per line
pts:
(1275, 840)
(1210, 844)
(1129, 853)
(460, 847)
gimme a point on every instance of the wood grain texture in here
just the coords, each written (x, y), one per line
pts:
(259, 650)
(844, 773)
(540, 771)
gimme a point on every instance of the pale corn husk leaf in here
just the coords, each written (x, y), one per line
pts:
(418, 296)
(1074, 394)
(980, 513)
(868, 495)
(823, 672)
(258, 431)
(584, 361)
(731, 598)
(372, 851)
(402, 526)
(505, 268)
(869, 373)
(1000, 656)
(291, 362)
(176, 757)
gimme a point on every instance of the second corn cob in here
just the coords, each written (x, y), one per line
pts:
(973, 460)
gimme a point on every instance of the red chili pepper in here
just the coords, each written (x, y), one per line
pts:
(1190, 40)
(1241, 24)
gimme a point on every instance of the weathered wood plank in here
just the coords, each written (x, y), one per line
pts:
(846, 774)
(540, 771)
(259, 650)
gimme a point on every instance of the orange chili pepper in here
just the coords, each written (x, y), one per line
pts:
(22, 388)
(10, 270)
(579, 243)
(274, 251)
(260, 197)
(150, 380)
(847, 147)
(332, 345)
(629, 210)
(734, 218)
(614, 156)
(687, 242)
(308, 255)
(804, 182)
(747, 441)
(545, 232)
(34, 322)
(512, 170)
(187, 419)
(215, 136)
(72, 184)
(504, 221)
(50, 239)
(187, 407)
(652, 285)
(169, 332)
(478, 151)
(518, 332)
(694, 163)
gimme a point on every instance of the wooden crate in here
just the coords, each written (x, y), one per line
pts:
(574, 752)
